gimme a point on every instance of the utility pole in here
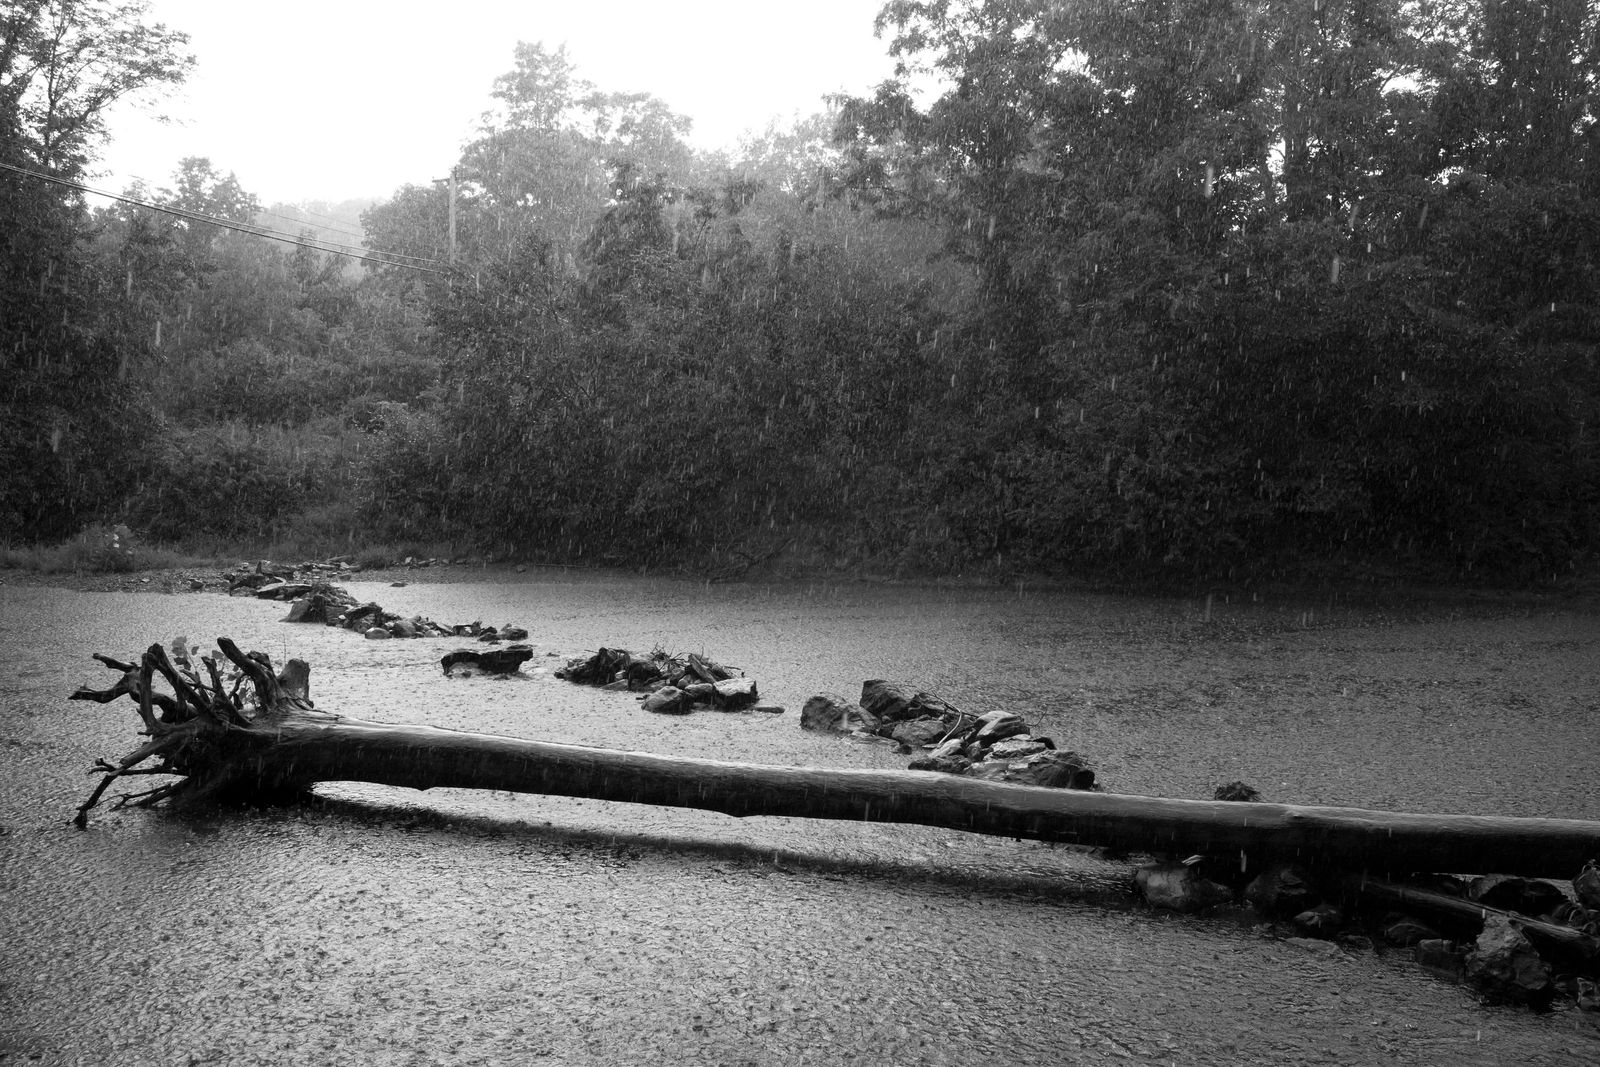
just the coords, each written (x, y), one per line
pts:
(452, 180)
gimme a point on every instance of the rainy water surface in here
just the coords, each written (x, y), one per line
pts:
(388, 926)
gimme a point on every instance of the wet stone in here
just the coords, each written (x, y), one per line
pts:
(1324, 920)
(831, 713)
(1052, 769)
(1178, 887)
(1016, 748)
(1237, 791)
(948, 764)
(1404, 931)
(919, 732)
(486, 660)
(999, 725)
(1281, 889)
(668, 700)
(1505, 965)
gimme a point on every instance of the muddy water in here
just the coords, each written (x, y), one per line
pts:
(453, 927)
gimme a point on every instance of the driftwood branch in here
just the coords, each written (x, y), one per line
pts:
(288, 745)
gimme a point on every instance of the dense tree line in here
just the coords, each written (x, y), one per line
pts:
(1188, 285)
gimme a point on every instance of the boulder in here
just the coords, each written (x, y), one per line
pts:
(1016, 748)
(831, 713)
(378, 633)
(1529, 896)
(1324, 920)
(668, 700)
(1237, 791)
(1505, 965)
(949, 764)
(1056, 770)
(1281, 889)
(733, 693)
(897, 702)
(505, 660)
(999, 725)
(1178, 887)
(1404, 931)
(918, 732)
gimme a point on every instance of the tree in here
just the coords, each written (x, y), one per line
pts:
(69, 425)
(64, 63)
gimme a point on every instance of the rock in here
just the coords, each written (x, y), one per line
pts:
(897, 702)
(612, 687)
(306, 609)
(1178, 887)
(999, 725)
(1505, 965)
(1282, 889)
(918, 732)
(513, 633)
(352, 616)
(668, 700)
(734, 693)
(597, 669)
(1238, 791)
(1404, 931)
(769, 709)
(405, 628)
(1587, 886)
(831, 713)
(378, 633)
(1440, 957)
(1587, 995)
(1529, 896)
(1015, 748)
(948, 764)
(1056, 770)
(1324, 920)
(951, 747)
(505, 660)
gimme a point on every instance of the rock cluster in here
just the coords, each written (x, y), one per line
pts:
(1517, 940)
(671, 684)
(314, 599)
(998, 745)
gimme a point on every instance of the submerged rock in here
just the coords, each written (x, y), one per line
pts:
(1178, 887)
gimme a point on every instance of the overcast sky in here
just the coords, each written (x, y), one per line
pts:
(337, 99)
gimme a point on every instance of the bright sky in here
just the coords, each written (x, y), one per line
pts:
(337, 99)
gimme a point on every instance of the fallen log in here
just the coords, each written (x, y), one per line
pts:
(223, 739)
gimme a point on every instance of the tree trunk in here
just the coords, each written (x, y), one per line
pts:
(222, 743)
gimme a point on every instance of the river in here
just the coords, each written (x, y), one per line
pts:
(387, 926)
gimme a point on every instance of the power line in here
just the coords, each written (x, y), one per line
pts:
(258, 231)
(328, 223)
